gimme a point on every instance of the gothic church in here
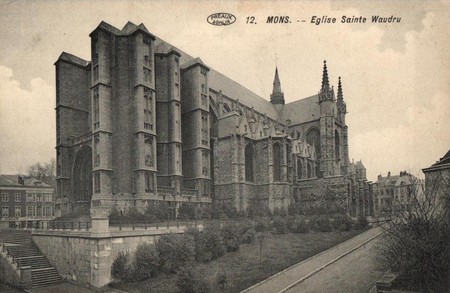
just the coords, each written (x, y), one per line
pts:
(144, 122)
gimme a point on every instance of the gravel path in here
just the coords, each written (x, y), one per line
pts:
(356, 272)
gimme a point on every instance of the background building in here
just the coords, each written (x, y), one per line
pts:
(396, 192)
(144, 123)
(437, 183)
(26, 202)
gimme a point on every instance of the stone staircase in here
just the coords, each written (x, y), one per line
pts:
(20, 246)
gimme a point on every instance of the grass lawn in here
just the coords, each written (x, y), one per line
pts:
(242, 267)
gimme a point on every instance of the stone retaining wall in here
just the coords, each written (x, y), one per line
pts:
(86, 257)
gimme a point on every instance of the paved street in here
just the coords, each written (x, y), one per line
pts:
(282, 280)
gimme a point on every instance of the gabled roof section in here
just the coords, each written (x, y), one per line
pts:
(72, 59)
(302, 111)
(164, 48)
(129, 29)
(193, 62)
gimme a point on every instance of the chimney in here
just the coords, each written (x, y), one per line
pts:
(20, 180)
(379, 177)
(389, 174)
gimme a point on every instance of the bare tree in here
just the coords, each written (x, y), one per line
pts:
(45, 172)
(417, 242)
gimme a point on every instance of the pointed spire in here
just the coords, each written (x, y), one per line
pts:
(340, 96)
(276, 83)
(277, 96)
(325, 82)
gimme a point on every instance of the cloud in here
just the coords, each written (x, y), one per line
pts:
(27, 123)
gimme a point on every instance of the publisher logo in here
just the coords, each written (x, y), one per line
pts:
(221, 18)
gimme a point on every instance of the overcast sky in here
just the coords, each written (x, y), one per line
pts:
(395, 76)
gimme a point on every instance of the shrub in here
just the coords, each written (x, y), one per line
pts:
(209, 244)
(146, 261)
(262, 224)
(342, 222)
(214, 241)
(361, 223)
(158, 211)
(175, 251)
(189, 280)
(249, 236)
(279, 226)
(221, 279)
(230, 236)
(187, 211)
(244, 226)
(300, 225)
(122, 269)
(323, 224)
(134, 214)
(114, 214)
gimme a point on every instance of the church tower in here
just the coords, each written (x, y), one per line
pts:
(277, 96)
(327, 128)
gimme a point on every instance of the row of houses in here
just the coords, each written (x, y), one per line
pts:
(25, 202)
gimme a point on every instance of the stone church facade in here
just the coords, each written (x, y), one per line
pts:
(144, 122)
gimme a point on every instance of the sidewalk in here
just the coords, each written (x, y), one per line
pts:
(281, 281)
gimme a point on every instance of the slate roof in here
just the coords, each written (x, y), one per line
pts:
(388, 180)
(444, 160)
(230, 88)
(73, 59)
(28, 181)
(5, 181)
(127, 30)
(302, 111)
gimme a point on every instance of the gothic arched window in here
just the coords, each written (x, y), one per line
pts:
(309, 170)
(249, 163)
(337, 145)
(276, 162)
(313, 139)
(299, 169)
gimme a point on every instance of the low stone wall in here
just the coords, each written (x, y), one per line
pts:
(86, 257)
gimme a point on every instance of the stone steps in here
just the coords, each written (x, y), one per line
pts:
(21, 247)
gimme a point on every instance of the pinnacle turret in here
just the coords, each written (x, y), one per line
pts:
(326, 93)
(325, 82)
(340, 96)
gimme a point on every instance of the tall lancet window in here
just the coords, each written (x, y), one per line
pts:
(249, 163)
(299, 169)
(276, 162)
(337, 145)
(148, 109)
(149, 151)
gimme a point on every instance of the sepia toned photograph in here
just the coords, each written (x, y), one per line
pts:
(224, 146)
